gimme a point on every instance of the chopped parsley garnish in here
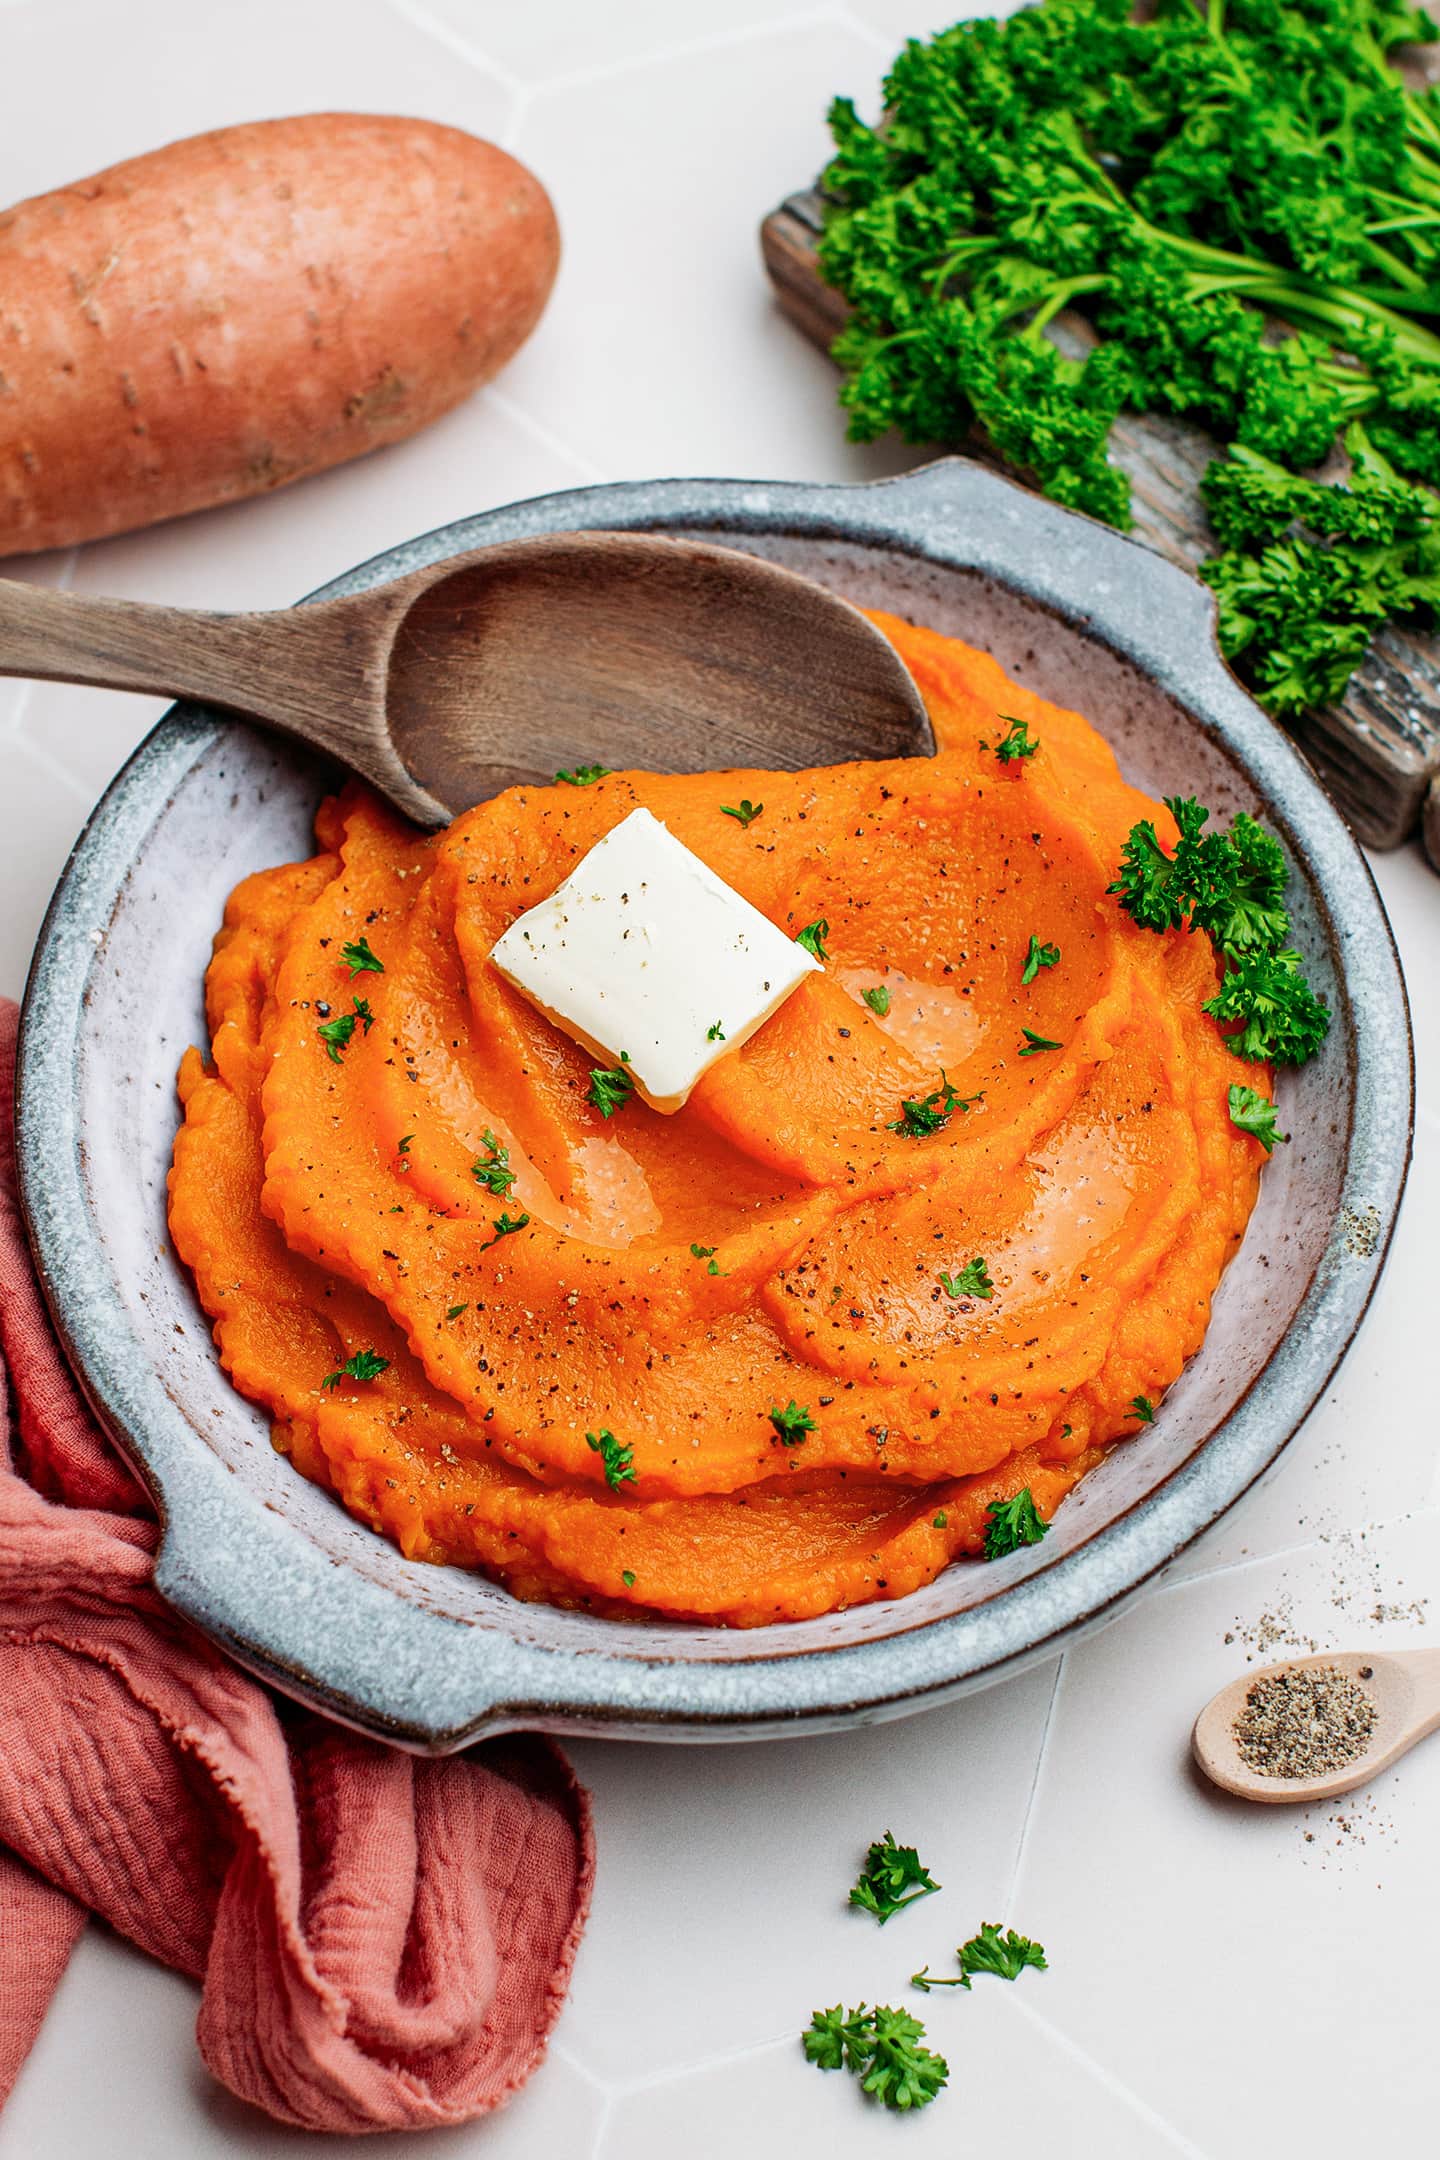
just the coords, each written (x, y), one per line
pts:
(504, 1226)
(708, 1252)
(402, 1146)
(360, 960)
(893, 1876)
(973, 1280)
(878, 999)
(610, 1091)
(1039, 956)
(336, 1033)
(1013, 1523)
(918, 1119)
(627, 1576)
(583, 775)
(1255, 1113)
(940, 1521)
(813, 937)
(616, 1459)
(456, 1310)
(1016, 742)
(1232, 886)
(715, 1033)
(792, 1423)
(1006, 1956)
(882, 2048)
(364, 1365)
(1141, 1407)
(492, 1169)
(1034, 1043)
(746, 813)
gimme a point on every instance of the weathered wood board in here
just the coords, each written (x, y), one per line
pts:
(1379, 752)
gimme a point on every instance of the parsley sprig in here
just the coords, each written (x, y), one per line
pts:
(1006, 1956)
(1254, 1113)
(336, 1033)
(745, 812)
(360, 959)
(492, 1169)
(364, 1365)
(583, 775)
(893, 1877)
(616, 1459)
(1232, 886)
(792, 1423)
(610, 1089)
(973, 1280)
(882, 2048)
(1013, 1523)
(926, 1114)
(813, 937)
(505, 1225)
(877, 997)
(1039, 956)
(1016, 743)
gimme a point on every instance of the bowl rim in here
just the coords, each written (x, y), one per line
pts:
(424, 1680)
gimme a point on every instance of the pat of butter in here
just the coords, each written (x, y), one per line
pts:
(644, 954)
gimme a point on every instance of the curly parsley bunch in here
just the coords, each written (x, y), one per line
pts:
(1244, 201)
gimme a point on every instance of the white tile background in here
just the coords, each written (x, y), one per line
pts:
(1224, 1983)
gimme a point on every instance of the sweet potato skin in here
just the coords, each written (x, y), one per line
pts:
(243, 308)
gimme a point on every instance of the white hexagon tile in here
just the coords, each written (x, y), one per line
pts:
(1224, 1984)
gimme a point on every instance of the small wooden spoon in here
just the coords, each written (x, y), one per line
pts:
(513, 662)
(1405, 1685)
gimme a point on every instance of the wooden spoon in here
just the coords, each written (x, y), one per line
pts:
(1405, 1685)
(513, 662)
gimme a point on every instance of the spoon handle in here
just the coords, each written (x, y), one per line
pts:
(317, 672)
(1422, 1669)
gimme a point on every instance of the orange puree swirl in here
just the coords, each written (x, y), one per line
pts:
(327, 1205)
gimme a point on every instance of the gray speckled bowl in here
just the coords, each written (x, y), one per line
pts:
(432, 1658)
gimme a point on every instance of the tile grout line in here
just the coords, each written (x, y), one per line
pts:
(1040, 1757)
(538, 432)
(715, 41)
(419, 18)
(675, 2071)
(1289, 1552)
(1108, 2081)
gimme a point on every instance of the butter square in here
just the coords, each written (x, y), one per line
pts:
(642, 951)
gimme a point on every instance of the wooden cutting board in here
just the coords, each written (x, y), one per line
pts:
(1378, 753)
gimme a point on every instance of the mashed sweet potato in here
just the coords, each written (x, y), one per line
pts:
(776, 1242)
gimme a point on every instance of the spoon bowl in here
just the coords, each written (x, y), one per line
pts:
(1403, 1684)
(511, 663)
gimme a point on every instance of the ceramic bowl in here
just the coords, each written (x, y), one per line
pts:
(274, 1570)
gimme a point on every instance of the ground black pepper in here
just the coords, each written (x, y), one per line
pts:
(1304, 1722)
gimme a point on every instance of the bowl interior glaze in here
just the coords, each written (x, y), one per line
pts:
(432, 1657)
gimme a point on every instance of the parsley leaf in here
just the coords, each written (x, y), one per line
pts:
(893, 1876)
(336, 1033)
(583, 775)
(1013, 1523)
(1039, 956)
(492, 1170)
(708, 1252)
(746, 813)
(360, 960)
(813, 937)
(610, 1091)
(882, 2048)
(1255, 1113)
(715, 1033)
(364, 1365)
(627, 1576)
(1141, 1407)
(1006, 1956)
(940, 1521)
(1017, 742)
(878, 999)
(918, 1119)
(973, 1280)
(616, 1459)
(504, 1226)
(792, 1423)
(1034, 1043)
(1282, 1022)
(456, 1310)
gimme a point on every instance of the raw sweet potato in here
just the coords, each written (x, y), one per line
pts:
(243, 308)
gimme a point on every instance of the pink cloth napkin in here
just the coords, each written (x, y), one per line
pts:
(381, 1942)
